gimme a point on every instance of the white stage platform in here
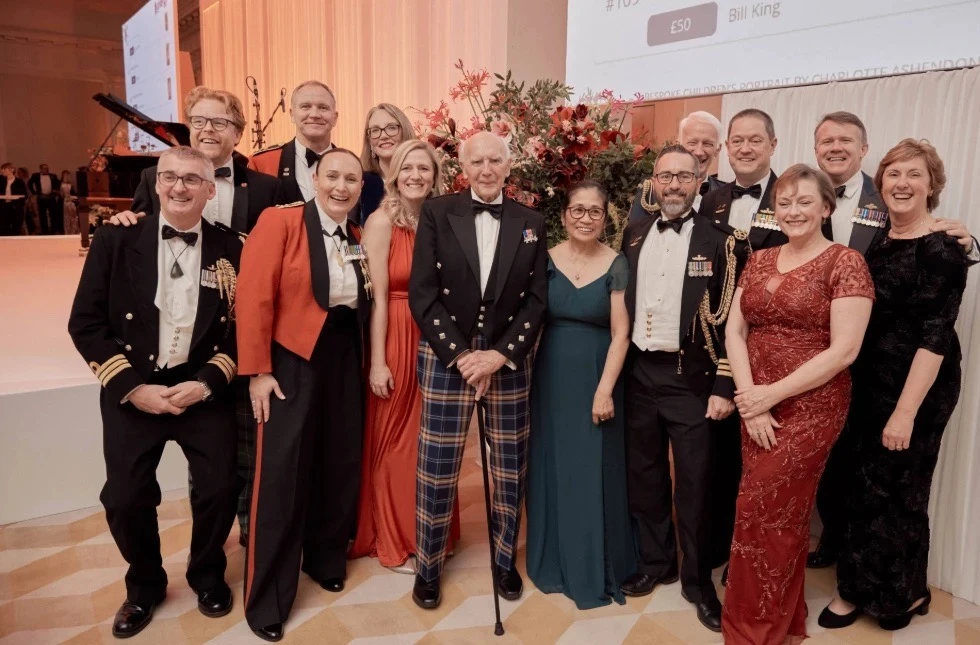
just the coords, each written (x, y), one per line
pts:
(50, 425)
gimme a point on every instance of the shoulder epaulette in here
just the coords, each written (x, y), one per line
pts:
(268, 148)
(291, 205)
(230, 231)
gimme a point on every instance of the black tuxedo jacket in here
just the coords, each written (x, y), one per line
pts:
(115, 324)
(863, 236)
(444, 291)
(717, 205)
(35, 184)
(707, 242)
(18, 188)
(254, 192)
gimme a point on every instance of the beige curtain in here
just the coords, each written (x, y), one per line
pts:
(367, 51)
(940, 107)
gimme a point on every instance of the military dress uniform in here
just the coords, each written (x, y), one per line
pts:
(121, 323)
(304, 304)
(242, 194)
(681, 287)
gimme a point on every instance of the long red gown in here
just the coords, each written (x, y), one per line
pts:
(386, 512)
(789, 323)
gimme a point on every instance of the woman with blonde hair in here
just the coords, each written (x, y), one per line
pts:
(385, 127)
(386, 524)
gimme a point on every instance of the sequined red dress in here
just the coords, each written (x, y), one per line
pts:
(789, 323)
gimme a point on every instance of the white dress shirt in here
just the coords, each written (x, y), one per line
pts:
(846, 205)
(219, 208)
(744, 208)
(659, 284)
(487, 232)
(45, 183)
(343, 278)
(176, 298)
(304, 173)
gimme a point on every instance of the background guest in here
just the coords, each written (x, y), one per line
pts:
(45, 186)
(13, 195)
(68, 209)
(386, 126)
(796, 325)
(30, 208)
(386, 517)
(579, 536)
(907, 379)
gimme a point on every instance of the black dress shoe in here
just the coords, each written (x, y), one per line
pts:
(822, 558)
(426, 594)
(216, 602)
(132, 618)
(271, 633)
(892, 623)
(829, 620)
(509, 584)
(641, 584)
(724, 577)
(709, 611)
(334, 585)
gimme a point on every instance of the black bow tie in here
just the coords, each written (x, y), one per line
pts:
(494, 209)
(337, 232)
(311, 157)
(705, 187)
(840, 191)
(676, 224)
(223, 171)
(755, 190)
(170, 232)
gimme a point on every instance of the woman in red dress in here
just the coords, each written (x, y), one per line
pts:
(386, 514)
(796, 324)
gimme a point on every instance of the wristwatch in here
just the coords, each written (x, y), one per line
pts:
(207, 391)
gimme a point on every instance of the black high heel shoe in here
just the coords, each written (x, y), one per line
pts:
(891, 623)
(830, 620)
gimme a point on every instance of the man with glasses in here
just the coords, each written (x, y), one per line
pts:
(240, 195)
(153, 318)
(677, 379)
(313, 110)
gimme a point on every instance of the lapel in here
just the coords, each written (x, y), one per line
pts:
(363, 303)
(464, 228)
(287, 172)
(239, 205)
(511, 230)
(757, 234)
(142, 260)
(694, 287)
(633, 245)
(319, 269)
(722, 208)
(208, 298)
(862, 236)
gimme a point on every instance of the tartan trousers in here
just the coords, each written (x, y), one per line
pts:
(447, 408)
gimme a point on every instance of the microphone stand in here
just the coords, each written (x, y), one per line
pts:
(258, 130)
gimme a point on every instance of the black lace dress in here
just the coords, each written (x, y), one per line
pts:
(918, 287)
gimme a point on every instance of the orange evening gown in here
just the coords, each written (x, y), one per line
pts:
(386, 512)
(789, 323)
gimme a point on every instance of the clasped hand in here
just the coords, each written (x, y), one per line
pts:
(159, 399)
(478, 367)
(755, 400)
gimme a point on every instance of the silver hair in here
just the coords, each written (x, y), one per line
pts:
(706, 117)
(186, 152)
(508, 155)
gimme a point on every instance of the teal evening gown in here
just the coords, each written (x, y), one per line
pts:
(579, 535)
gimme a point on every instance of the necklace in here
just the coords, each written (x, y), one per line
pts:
(909, 231)
(336, 244)
(582, 263)
(175, 270)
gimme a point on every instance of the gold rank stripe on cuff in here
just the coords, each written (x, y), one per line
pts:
(108, 370)
(225, 364)
(724, 367)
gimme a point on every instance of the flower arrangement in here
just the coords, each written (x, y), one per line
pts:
(553, 145)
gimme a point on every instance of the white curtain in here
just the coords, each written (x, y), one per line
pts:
(940, 107)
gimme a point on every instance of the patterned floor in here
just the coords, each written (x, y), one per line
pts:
(61, 581)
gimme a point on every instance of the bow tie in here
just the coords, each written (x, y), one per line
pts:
(170, 232)
(705, 187)
(494, 209)
(676, 224)
(840, 191)
(755, 190)
(311, 157)
(337, 232)
(223, 171)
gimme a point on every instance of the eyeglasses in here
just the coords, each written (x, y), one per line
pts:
(578, 212)
(682, 177)
(219, 124)
(168, 178)
(391, 130)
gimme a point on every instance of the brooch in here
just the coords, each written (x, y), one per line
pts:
(530, 236)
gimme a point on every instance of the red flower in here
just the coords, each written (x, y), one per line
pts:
(639, 151)
(581, 111)
(460, 183)
(609, 138)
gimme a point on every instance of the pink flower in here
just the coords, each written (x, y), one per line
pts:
(534, 147)
(501, 128)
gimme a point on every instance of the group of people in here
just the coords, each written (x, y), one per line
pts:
(41, 196)
(366, 317)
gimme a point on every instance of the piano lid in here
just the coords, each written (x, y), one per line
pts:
(171, 134)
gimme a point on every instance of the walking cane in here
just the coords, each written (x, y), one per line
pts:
(498, 629)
